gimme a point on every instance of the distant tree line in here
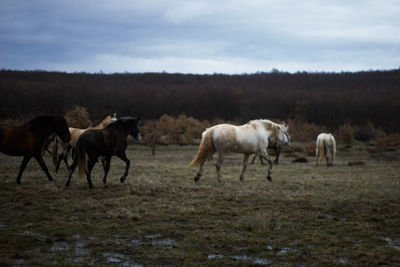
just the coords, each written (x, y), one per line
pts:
(328, 99)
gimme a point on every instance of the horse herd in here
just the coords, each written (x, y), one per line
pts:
(108, 137)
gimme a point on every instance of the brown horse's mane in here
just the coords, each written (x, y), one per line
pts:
(99, 121)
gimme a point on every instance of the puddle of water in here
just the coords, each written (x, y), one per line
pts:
(241, 258)
(113, 257)
(215, 256)
(344, 261)
(165, 242)
(60, 246)
(119, 259)
(153, 236)
(392, 243)
(285, 251)
(19, 262)
(254, 260)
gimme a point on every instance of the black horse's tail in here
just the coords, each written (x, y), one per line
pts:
(80, 154)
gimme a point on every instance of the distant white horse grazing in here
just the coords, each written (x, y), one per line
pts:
(251, 138)
(325, 147)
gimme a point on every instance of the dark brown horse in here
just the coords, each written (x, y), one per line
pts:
(104, 143)
(28, 140)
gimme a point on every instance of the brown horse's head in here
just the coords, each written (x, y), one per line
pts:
(135, 132)
(61, 128)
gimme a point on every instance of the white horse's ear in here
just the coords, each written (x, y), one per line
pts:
(115, 115)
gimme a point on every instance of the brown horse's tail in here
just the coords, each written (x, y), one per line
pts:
(205, 149)
(80, 154)
(55, 151)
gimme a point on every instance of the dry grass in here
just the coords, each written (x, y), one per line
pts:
(343, 215)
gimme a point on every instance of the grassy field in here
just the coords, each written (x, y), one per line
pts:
(348, 214)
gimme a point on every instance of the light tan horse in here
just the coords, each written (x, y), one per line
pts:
(325, 147)
(250, 138)
(75, 133)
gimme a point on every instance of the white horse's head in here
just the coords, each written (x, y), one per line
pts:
(283, 134)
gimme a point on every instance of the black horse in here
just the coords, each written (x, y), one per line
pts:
(104, 143)
(28, 140)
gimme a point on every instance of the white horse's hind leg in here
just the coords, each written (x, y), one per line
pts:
(199, 173)
(218, 165)
(317, 153)
(245, 159)
(329, 157)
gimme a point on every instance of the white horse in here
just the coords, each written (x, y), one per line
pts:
(325, 147)
(251, 138)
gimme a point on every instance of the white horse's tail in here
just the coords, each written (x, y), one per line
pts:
(321, 149)
(333, 147)
(205, 149)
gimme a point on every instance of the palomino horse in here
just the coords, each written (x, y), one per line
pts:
(75, 133)
(28, 140)
(251, 138)
(325, 147)
(105, 143)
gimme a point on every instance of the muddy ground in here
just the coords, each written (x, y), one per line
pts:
(348, 214)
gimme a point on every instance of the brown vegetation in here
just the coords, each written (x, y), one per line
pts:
(78, 117)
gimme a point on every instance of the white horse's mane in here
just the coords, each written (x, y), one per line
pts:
(264, 121)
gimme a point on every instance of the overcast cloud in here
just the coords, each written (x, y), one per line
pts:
(210, 36)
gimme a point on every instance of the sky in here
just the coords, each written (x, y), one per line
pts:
(200, 37)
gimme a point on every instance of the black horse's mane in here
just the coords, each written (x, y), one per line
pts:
(122, 121)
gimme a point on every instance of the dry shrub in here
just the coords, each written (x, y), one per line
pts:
(78, 117)
(368, 132)
(346, 133)
(182, 130)
(14, 122)
(304, 132)
(189, 129)
(384, 143)
(309, 148)
(146, 131)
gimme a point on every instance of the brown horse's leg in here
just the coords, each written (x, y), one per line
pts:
(245, 159)
(106, 166)
(278, 152)
(127, 162)
(71, 171)
(90, 164)
(22, 168)
(42, 164)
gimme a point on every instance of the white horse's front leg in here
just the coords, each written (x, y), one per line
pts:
(245, 159)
